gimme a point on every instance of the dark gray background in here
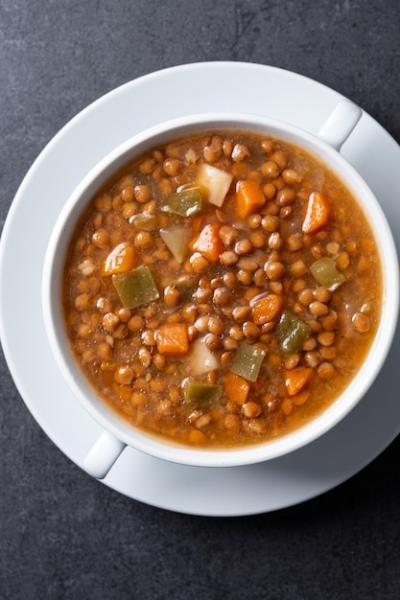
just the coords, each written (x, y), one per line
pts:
(62, 534)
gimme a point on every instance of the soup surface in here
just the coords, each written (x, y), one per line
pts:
(222, 290)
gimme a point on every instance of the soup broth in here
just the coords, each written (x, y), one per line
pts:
(222, 289)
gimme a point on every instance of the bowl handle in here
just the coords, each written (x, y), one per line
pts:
(340, 123)
(102, 455)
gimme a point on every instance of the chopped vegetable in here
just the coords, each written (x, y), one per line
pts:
(185, 203)
(176, 238)
(200, 394)
(201, 359)
(296, 379)
(145, 221)
(143, 179)
(317, 214)
(186, 286)
(236, 388)
(247, 361)
(136, 287)
(325, 273)
(216, 181)
(172, 338)
(120, 260)
(292, 332)
(249, 197)
(266, 309)
(208, 243)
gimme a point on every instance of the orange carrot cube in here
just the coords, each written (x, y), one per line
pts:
(172, 338)
(208, 243)
(249, 197)
(120, 260)
(317, 213)
(296, 380)
(267, 309)
(236, 388)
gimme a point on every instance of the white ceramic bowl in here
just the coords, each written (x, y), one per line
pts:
(117, 432)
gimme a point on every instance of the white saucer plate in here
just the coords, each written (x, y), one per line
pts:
(179, 91)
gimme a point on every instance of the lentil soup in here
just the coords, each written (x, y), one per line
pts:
(222, 289)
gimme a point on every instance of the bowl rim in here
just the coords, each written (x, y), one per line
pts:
(260, 451)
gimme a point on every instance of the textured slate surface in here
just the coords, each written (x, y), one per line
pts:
(64, 536)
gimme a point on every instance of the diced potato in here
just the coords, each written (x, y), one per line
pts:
(201, 359)
(176, 238)
(216, 181)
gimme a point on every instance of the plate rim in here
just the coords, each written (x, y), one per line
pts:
(18, 198)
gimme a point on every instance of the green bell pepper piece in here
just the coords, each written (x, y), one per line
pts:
(247, 361)
(186, 203)
(136, 287)
(145, 221)
(186, 286)
(325, 273)
(292, 332)
(200, 394)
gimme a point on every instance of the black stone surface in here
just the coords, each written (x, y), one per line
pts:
(62, 534)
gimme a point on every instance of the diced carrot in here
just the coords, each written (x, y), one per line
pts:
(249, 197)
(120, 260)
(296, 379)
(317, 213)
(172, 338)
(208, 243)
(267, 309)
(236, 388)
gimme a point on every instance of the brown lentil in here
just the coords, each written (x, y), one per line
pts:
(274, 270)
(318, 309)
(361, 322)
(326, 370)
(171, 296)
(243, 246)
(251, 409)
(270, 169)
(250, 330)
(326, 338)
(228, 258)
(275, 241)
